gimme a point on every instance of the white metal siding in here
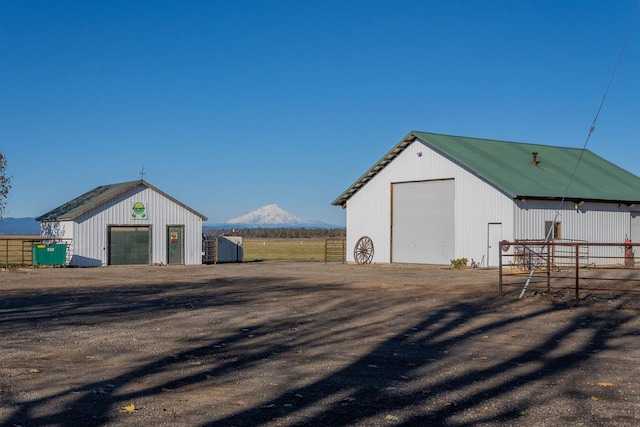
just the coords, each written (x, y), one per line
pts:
(62, 230)
(423, 222)
(634, 232)
(56, 230)
(90, 243)
(592, 222)
(477, 203)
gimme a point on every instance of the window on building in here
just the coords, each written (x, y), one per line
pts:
(555, 227)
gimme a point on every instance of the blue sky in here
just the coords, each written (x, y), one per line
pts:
(232, 105)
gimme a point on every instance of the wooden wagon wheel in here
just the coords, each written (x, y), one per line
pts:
(363, 252)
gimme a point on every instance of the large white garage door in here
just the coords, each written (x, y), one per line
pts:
(423, 222)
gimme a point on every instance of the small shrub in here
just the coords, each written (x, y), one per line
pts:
(459, 263)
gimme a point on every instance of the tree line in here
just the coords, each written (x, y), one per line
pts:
(279, 232)
(5, 184)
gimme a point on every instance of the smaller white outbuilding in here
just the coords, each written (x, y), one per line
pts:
(126, 223)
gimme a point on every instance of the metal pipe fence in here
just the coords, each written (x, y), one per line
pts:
(335, 249)
(17, 251)
(582, 267)
(209, 251)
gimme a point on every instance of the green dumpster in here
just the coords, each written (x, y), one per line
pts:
(54, 254)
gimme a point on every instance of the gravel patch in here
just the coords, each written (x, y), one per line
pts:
(309, 344)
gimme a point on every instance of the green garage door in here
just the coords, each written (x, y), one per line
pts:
(129, 245)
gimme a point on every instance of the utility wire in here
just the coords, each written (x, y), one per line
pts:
(584, 147)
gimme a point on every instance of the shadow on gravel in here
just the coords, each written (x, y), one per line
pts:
(370, 384)
(412, 376)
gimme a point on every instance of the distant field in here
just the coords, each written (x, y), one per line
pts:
(14, 252)
(283, 249)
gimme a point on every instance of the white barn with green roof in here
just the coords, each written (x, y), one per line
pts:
(126, 223)
(434, 198)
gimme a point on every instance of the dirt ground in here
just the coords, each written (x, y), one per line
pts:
(308, 344)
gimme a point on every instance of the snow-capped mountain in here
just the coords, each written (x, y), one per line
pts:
(272, 215)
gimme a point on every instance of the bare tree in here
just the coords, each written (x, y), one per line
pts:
(5, 184)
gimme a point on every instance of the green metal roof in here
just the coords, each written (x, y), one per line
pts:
(98, 196)
(508, 166)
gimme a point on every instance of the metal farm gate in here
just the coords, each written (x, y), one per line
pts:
(335, 249)
(582, 267)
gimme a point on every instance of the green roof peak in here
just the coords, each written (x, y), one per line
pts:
(523, 170)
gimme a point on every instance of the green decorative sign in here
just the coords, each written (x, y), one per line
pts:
(139, 211)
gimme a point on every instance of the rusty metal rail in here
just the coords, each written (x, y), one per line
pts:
(209, 251)
(16, 250)
(582, 267)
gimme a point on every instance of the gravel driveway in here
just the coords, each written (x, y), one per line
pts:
(308, 344)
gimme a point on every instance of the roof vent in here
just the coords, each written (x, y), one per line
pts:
(535, 161)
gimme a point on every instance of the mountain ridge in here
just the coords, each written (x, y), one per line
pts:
(19, 226)
(270, 216)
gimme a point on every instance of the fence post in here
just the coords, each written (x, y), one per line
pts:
(549, 266)
(344, 250)
(577, 272)
(326, 244)
(500, 269)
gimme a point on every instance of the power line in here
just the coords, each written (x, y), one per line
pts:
(586, 142)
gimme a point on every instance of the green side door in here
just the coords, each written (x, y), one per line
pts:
(129, 245)
(175, 244)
